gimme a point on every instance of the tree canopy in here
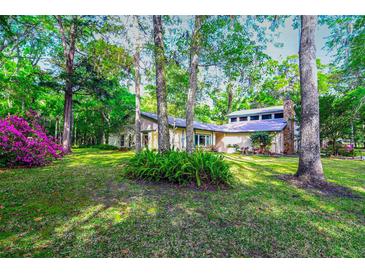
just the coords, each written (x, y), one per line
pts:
(235, 71)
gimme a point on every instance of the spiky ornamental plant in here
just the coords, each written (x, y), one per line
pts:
(201, 168)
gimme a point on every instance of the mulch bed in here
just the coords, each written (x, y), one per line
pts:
(320, 187)
(191, 186)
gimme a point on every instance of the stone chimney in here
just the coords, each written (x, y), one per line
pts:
(289, 129)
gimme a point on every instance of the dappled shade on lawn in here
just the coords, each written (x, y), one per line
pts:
(82, 206)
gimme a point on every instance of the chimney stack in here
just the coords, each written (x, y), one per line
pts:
(289, 129)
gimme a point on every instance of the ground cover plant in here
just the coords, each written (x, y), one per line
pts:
(26, 143)
(200, 168)
(83, 206)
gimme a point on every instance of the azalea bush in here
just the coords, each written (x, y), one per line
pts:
(200, 168)
(25, 143)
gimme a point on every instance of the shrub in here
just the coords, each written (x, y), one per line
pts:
(201, 168)
(26, 143)
(339, 149)
(101, 147)
(261, 140)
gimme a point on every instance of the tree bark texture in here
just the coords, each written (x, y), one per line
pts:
(163, 126)
(194, 62)
(289, 115)
(69, 54)
(310, 166)
(229, 97)
(137, 87)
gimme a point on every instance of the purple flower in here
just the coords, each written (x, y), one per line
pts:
(26, 143)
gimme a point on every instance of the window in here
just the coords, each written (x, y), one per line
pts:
(279, 115)
(183, 139)
(266, 117)
(233, 119)
(130, 140)
(145, 139)
(122, 144)
(254, 117)
(243, 118)
(203, 140)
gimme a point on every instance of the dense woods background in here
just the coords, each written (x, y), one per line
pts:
(90, 62)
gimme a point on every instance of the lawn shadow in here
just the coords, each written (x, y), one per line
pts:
(321, 187)
(101, 214)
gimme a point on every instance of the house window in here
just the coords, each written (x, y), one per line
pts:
(122, 142)
(279, 115)
(266, 117)
(203, 140)
(130, 140)
(233, 119)
(243, 118)
(145, 139)
(254, 117)
(183, 139)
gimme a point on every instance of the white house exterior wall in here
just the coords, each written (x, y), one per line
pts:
(220, 140)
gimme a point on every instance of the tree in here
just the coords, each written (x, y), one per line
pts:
(137, 84)
(163, 126)
(261, 140)
(194, 62)
(69, 47)
(310, 165)
(233, 63)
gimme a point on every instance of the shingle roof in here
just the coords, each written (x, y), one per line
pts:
(259, 125)
(256, 111)
(248, 126)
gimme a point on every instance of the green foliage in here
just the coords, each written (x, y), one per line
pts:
(202, 168)
(102, 102)
(101, 147)
(240, 75)
(346, 41)
(343, 115)
(261, 139)
(339, 149)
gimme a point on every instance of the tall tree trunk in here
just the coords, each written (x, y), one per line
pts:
(137, 87)
(56, 130)
(67, 120)
(194, 62)
(163, 126)
(69, 54)
(310, 166)
(230, 97)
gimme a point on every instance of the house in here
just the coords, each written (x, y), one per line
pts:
(278, 120)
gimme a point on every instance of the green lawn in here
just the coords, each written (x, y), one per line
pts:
(82, 206)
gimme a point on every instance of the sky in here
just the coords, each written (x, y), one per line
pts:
(290, 39)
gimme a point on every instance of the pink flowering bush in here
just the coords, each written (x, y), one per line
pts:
(24, 143)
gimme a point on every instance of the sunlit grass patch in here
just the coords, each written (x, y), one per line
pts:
(83, 206)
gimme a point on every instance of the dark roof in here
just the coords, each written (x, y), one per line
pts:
(248, 126)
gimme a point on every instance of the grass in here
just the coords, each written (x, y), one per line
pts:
(82, 206)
